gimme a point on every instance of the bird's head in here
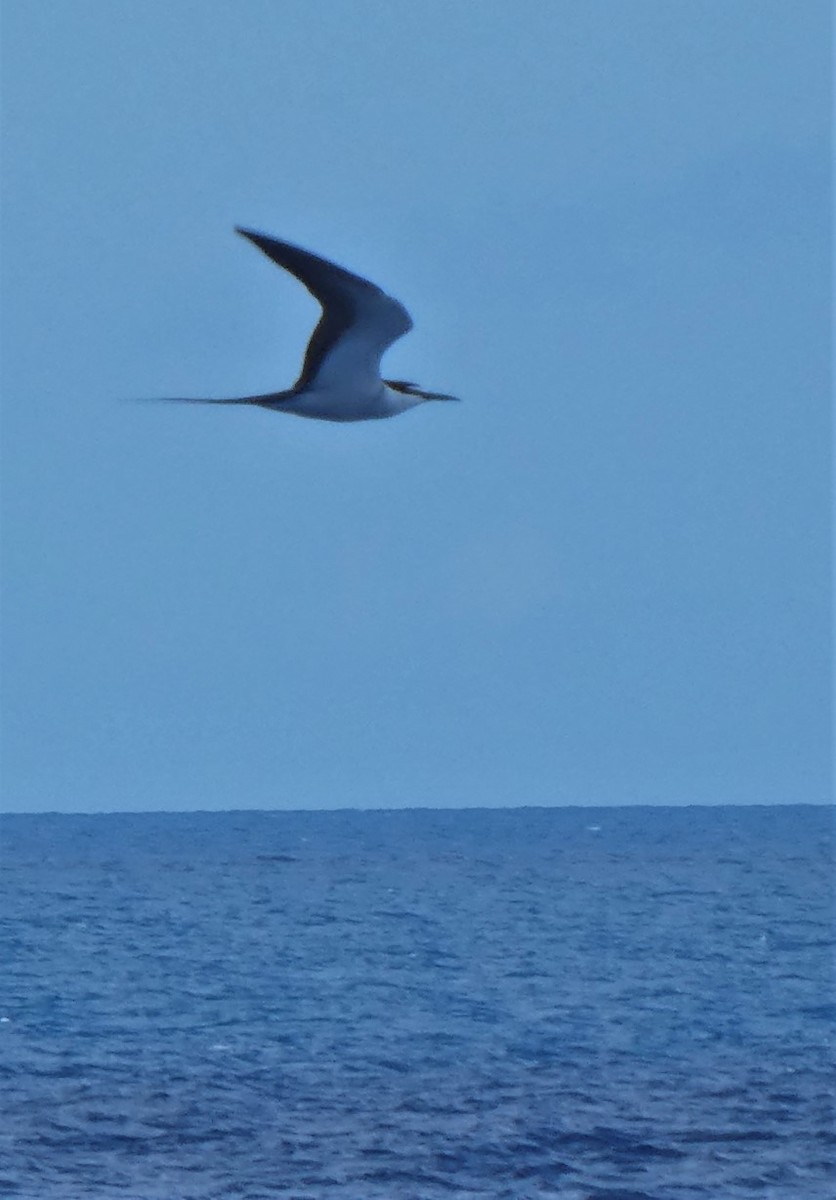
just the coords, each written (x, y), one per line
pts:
(412, 389)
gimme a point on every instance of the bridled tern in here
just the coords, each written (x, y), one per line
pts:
(340, 378)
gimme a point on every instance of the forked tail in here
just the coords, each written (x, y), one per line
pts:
(268, 400)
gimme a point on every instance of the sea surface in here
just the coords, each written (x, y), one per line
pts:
(592, 1004)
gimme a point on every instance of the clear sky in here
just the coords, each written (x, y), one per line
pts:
(602, 579)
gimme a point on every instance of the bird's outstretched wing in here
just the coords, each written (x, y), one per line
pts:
(359, 321)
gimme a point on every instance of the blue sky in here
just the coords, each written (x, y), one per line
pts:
(602, 579)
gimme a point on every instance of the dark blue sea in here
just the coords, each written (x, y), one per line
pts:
(592, 1004)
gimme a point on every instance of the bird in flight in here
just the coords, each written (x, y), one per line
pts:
(340, 378)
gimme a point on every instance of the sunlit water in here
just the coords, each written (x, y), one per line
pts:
(618, 1004)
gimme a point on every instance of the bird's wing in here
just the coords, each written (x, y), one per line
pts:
(359, 321)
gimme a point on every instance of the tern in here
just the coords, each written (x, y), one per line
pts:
(340, 378)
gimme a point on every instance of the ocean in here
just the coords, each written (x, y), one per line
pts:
(584, 1003)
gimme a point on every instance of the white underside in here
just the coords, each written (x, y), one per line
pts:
(340, 404)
